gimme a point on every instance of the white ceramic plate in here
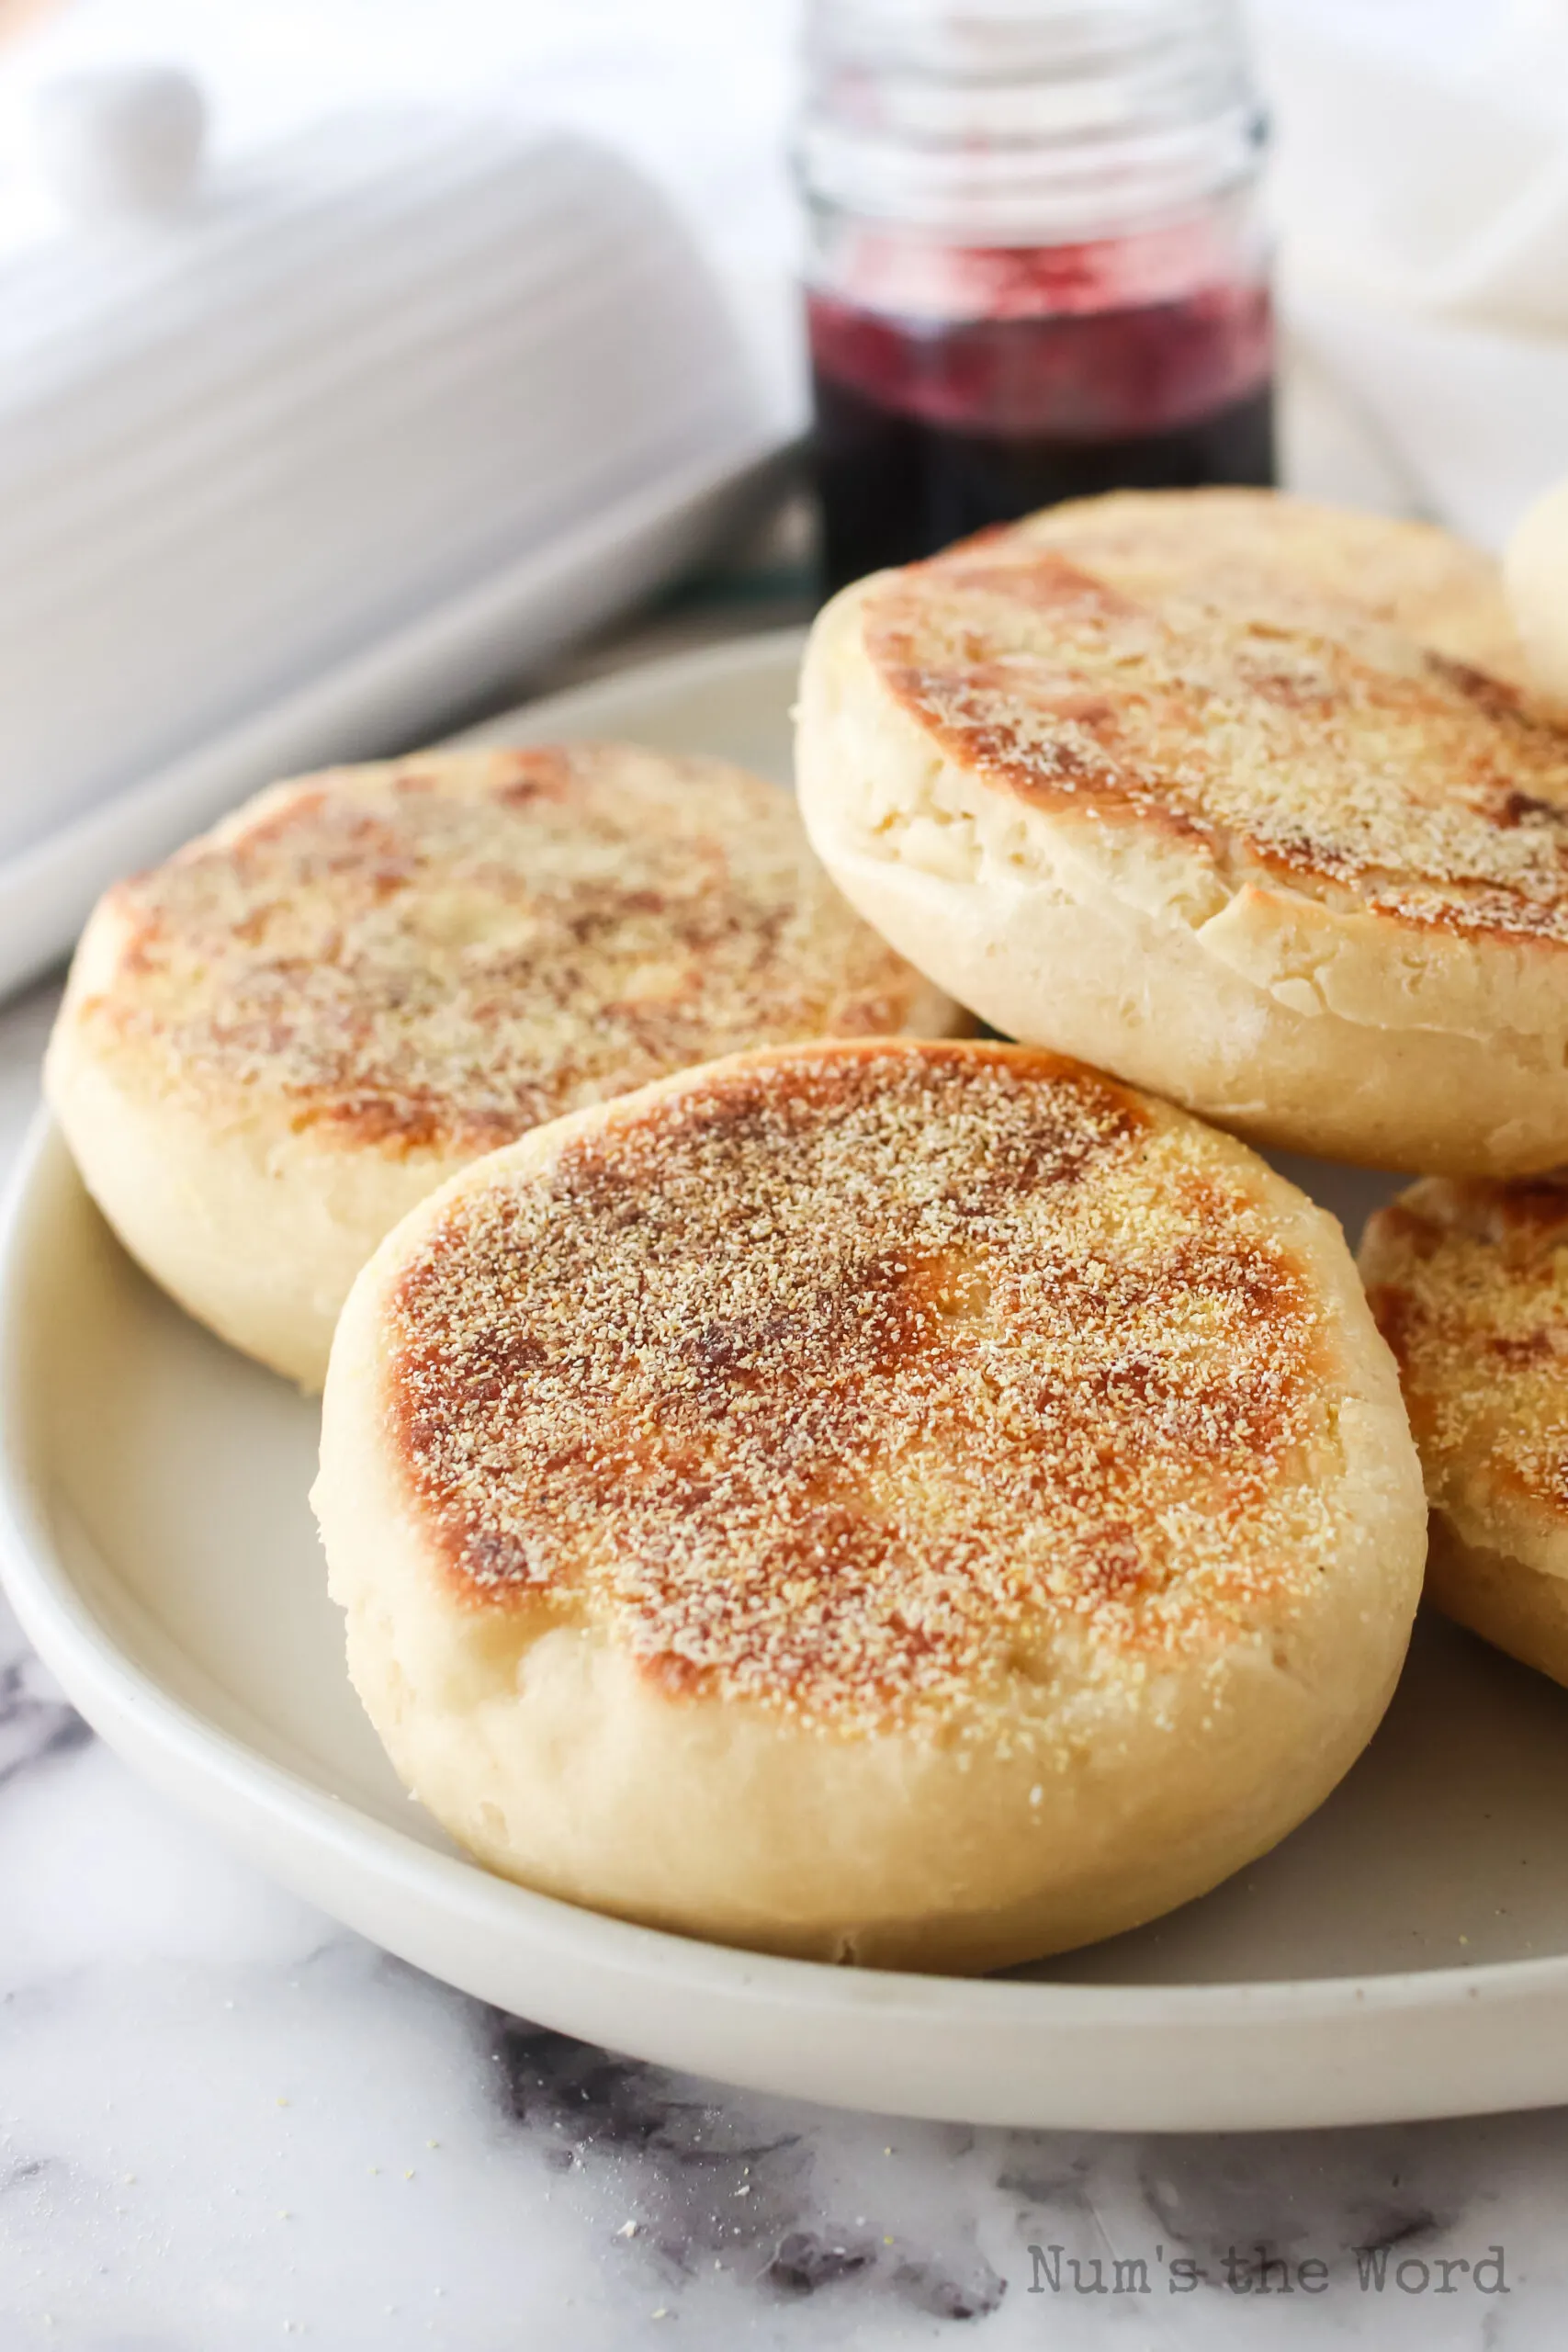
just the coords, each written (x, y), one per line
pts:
(1404, 1954)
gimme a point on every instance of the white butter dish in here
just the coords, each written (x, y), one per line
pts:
(291, 471)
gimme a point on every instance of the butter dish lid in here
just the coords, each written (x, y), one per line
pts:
(255, 425)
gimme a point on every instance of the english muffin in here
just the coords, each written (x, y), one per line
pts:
(925, 1505)
(1233, 795)
(275, 1045)
(1468, 1283)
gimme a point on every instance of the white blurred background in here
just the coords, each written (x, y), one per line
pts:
(1421, 183)
(1419, 194)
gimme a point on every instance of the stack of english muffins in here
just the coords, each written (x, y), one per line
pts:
(799, 1471)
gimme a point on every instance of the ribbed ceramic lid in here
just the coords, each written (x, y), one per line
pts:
(241, 438)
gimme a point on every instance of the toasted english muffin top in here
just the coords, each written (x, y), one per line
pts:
(857, 1379)
(446, 950)
(1289, 694)
(1469, 1284)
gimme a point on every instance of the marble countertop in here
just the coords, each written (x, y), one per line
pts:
(225, 2122)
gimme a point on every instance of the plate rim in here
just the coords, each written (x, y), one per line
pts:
(694, 665)
(169, 1739)
(44, 1593)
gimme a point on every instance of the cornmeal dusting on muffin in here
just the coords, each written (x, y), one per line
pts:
(457, 948)
(1468, 1284)
(1286, 733)
(857, 1381)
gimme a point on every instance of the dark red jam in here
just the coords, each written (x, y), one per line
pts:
(930, 427)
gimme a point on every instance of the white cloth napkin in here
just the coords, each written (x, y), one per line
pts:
(1421, 186)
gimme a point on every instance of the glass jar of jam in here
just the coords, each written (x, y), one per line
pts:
(1036, 266)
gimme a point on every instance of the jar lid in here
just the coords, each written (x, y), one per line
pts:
(1024, 121)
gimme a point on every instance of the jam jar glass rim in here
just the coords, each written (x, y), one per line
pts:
(1002, 122)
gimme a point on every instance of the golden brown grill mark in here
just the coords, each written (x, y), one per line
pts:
(453, 949)
(1468, 1284)
(854, 1379)
(1277, 724)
